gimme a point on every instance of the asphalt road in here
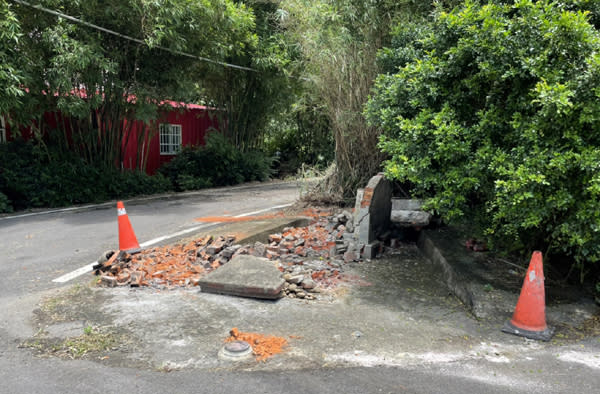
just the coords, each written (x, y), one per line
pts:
(40, 247)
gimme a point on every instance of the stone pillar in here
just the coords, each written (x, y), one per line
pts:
(372, 212)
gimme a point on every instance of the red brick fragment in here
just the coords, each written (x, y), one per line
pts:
(275, 238)
(123, 277)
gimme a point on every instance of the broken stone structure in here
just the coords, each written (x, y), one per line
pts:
(372, 214)
(407, 212)
(373, 209)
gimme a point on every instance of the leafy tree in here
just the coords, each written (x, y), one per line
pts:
(10, 76)
(339, 40)
(494, 111)
(102, 83)
(251, 100)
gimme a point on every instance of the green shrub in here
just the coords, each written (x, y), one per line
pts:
(5, 205)
(191, 182)
(497, 115)
(131, 183)
(218, 163)
(256, 166)
(32, 176)
(304, 138)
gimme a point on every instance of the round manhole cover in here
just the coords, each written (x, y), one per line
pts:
(237, 346)
(236, 350)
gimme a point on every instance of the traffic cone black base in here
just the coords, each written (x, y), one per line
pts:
(544, 335)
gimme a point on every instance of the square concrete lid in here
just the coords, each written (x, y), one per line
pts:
(245, 276)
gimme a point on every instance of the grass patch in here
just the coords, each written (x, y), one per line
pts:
(93, 343)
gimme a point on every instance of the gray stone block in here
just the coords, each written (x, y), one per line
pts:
(410, 218)
(406, 204)
(245, 276)
(371, 250)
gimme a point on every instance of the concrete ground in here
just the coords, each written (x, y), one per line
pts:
(395, 311)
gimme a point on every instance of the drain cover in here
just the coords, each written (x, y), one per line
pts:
(236, 350)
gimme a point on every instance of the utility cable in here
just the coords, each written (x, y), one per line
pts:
(108, 31)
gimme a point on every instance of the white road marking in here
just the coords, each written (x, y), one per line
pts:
(88, 268)
(263, 210)
(182, 232)
(74, 274)
(585, 358)
(24, 215)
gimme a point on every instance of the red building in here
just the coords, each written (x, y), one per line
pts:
(184, 125)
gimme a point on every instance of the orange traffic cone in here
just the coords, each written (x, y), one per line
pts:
(529, 318)
(127, 240)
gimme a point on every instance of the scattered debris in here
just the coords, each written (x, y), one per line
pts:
(476, 245)
(311, 258)
(263, 346)
(173, 265)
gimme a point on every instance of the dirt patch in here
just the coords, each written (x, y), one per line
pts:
(71, 324)
(567, 332)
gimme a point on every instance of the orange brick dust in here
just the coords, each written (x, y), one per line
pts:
(234, 219)
(310, 212)
(263, 346)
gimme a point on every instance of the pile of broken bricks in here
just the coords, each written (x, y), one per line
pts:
(178, 265)
(311, 258)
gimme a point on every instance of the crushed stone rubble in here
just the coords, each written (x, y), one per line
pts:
(311, 258)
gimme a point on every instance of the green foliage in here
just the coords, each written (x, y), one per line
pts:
(10, 74)
(185, 182)
(256, 166)
(5, 205)
(33, 177)
(101, 82)
(496, 114)
(301, 138)
(251, 99)
(218, 163)
(339, 40)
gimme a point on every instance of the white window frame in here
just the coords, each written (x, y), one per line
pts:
(2, 130)
(169, 138)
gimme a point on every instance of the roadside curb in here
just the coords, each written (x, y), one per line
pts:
(262, 234)
(452, 278)
(487, 288)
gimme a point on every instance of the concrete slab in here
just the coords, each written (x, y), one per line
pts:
(245, 276)
(410, 218)
(406, 204)
(251, 231)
